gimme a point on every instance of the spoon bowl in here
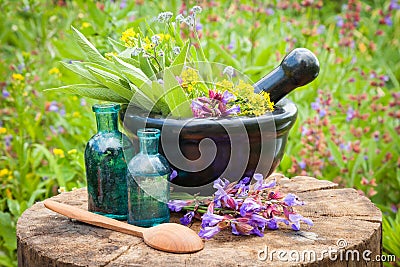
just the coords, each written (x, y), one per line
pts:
(168, 237)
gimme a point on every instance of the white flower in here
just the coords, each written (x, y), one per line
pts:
(189, 20)
(155, 39)
(161, 53)
(196, 9)
(136, 51)
(164, 16)
(229, 70)
(180, 18)
(176, 50)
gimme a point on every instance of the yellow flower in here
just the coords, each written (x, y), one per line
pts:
(59, 152)
(86, 25)
(167, 37)
(3, 130)
(128, 37)
(54, 71)
(18, 77)
(268, 103)
(110, 54)
(225, 85)
(72, 151)
(8, 193)
(148, 46)
(76, 114)
(189, 75)
(4, 172)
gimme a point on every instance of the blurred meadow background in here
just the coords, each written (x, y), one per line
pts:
(347, 129)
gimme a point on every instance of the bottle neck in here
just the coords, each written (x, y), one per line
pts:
(107, 121)
(148, 145)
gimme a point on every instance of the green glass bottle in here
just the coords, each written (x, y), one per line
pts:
(148, 187)
(106, 167)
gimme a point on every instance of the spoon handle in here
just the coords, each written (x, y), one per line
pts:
(93, 219)
(298, 68)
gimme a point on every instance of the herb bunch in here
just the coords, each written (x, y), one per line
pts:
(246, 209)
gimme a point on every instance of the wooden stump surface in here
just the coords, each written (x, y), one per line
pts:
(46, 238)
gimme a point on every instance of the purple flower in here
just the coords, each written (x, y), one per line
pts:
(199, 27)
(5, 93)
(302, 164)
(315, 105)
(249, 205)
(295, 219)
(227, 96)
(123, 4)
(83, 102)
(222, 195)
(173, 175)
(209, 232)
(53, 106)
(269, 11)
(394, 208)
(339, 21)
(242, 187)
(215, 105)
(394, 5)
(388, 20)
(222, 182)
(176, 205)
(231, 45)
(258, 221)
(321, 29)
(187, 218)
(260, 185)
(322, 113)
(292, 200)
(8, 139)
(350, 114)
(210, 219)
(272, 224)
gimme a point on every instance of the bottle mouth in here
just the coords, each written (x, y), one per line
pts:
(106, 108)
(148, 133)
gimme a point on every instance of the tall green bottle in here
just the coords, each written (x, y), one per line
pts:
(106, 157)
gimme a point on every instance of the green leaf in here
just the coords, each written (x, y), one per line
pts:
(181, 58)
(92, 54)
(175, 96)
(118, 47)
(142, 100)
(13, 206)
(146, 67)
(78, 69)
(135, 75)
(337, 156)
(92, 91)
(224, 54)
(112, 81)
(7, 232)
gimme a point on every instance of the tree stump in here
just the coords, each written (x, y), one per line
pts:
(345, 223)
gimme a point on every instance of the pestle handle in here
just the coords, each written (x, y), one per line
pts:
(298, 68)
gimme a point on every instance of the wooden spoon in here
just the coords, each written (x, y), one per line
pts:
(169, 237)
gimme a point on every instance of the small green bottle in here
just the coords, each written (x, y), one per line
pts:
(106, 165)
(148, 187)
